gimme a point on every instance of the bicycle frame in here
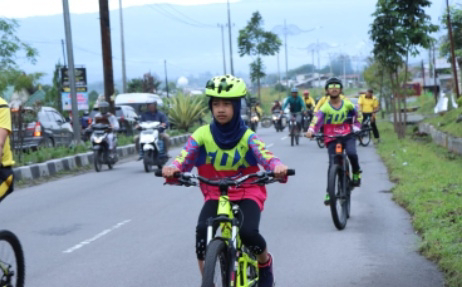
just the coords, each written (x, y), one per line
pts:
(228, 225)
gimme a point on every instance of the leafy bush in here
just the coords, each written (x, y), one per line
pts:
(185, 111)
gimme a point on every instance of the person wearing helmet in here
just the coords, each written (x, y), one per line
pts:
(276, 106)
(236, 150)
(104, 116)
(154, 115)
(309, 101)
(337, 116)
(324, 100)
(296, 106)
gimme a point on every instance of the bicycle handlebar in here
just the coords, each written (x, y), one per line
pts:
(187, 176)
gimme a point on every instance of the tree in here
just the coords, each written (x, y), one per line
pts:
(135, 86)
(253, 41)
(445, 46)
(53, 95)
(150, 83)
(185, 111)
(400, 27)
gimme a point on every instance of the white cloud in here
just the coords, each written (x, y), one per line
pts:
(16, 8)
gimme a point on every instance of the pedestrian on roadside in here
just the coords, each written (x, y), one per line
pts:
(369, 106)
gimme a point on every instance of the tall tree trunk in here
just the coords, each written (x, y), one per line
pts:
(258, 87)
(393, 103)
(405, 94)
(400, 108)
(459, 61)
(382, 97)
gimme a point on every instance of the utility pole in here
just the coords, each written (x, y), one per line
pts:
(64, 54)
(124, 73)
(222, 27)
(107, 53)
(435, 88)
(230, 41)
(166, 78)
(423, 75)
(70, 55)
(453, 58)
(319, 66)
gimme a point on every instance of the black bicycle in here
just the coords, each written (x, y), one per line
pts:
(339, 182)
(228, 262)
(364, 136)
(12, 267)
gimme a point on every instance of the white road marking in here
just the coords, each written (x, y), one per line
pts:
(270, 145)
(96, 237)
(284, 138)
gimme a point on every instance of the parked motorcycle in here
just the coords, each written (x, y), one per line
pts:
(153, 148)
(100, 145)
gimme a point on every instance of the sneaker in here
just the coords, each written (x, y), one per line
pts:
(357, 178)
(266, 277)
(327, 200)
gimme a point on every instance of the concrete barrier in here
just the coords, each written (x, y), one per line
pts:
(452, 143)
(70, 163)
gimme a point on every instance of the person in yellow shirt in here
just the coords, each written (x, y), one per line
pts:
(369, 106)
(309, 101)
(324, 100)
(6, 155)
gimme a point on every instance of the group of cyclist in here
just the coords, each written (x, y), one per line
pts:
(228, 148)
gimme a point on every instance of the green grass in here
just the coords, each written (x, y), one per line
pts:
(447, 122)
(429, 186)
(426, 104)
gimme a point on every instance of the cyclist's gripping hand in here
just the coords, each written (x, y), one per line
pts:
(169, 171)
(280, 171)
(309, 134)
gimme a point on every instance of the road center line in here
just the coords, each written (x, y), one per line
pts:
(284, 138)
(270, 145)
(97, 236)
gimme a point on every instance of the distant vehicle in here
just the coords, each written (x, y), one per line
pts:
(43, 128)
(126, 116)
(137, 100)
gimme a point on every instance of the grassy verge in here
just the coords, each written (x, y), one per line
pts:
(429, 186)
(447, 122)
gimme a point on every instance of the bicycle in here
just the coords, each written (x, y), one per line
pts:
(364, 136)
(12, 266)
(339, 182)
(237, 266)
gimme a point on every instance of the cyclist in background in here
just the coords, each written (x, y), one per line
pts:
(6, 155)
(369, 106)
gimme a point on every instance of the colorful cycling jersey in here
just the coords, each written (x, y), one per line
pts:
(335, 121)
(310, 103)
(212, 162)
(324, 100)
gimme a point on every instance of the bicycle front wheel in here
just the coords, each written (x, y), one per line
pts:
(365, 137)
(216, 271)
(338, 196)
(12, 267)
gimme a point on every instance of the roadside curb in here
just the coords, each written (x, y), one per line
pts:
(453, 144)
(54, 166)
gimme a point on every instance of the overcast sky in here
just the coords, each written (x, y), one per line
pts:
(190, 50)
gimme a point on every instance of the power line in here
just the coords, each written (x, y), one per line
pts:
(168, 14)
(190, 19)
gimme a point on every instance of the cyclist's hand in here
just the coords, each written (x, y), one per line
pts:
(280, 171)
(309, 135)
(373, 118)
(356, 129)
(169, 171)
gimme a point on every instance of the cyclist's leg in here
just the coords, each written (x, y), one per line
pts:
(249, 231)
(208, 210)
(375, 130)
(350, 148)
(6, 182)
(330, 151)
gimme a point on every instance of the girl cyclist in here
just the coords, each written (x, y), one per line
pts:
(228, 148)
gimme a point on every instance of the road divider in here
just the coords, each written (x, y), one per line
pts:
(53, 167)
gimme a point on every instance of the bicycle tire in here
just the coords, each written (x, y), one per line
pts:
(320, 143)
(11, 239)
(335, 188)
(216, 253)
(366, 139)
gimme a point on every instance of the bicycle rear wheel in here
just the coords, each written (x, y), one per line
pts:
(338, 196)
(12, 267)
(365, 137)
(216, 271)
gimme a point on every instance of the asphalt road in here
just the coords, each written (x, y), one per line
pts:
(124, 228)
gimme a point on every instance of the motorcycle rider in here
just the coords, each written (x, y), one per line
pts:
(154, 115)
(105, 117)
(297, 105)
(336, 116)
(276, 106)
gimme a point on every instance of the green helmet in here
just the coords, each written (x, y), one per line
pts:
(226, 86)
